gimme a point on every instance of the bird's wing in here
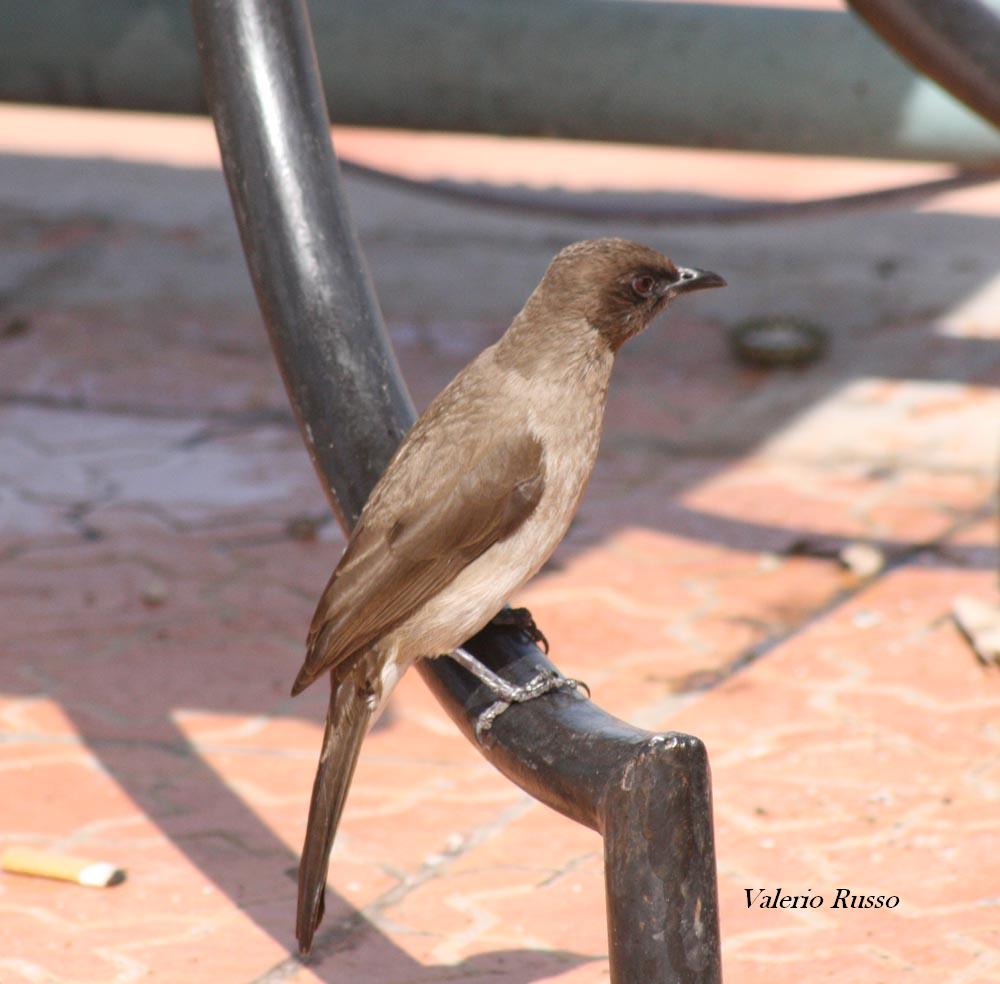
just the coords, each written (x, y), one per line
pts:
(449, 512)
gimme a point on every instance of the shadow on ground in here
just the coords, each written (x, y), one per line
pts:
(154, 478)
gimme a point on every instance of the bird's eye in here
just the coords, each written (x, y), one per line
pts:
(643, 286)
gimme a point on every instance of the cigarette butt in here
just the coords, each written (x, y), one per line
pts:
(43, 864)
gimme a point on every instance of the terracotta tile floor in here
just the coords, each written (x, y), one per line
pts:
(157, 575)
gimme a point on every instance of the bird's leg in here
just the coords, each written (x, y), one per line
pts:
(521, 618)
(506, 692)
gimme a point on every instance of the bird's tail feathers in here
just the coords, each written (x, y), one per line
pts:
(346, 724)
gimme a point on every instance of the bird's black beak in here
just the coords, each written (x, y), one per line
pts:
(690, 280)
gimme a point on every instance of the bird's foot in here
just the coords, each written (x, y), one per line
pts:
(543, 683)
(521, 618)
(508, 693)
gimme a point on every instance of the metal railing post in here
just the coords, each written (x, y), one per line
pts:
(648, 794)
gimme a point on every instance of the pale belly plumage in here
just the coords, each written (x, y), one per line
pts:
(569, 431)
(483, 587)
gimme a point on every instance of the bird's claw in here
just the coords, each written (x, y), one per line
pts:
(521, 618)
(485, 720)
(543, 683)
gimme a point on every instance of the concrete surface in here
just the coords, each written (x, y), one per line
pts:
(163, 541)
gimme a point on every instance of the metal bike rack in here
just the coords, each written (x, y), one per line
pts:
(648, 794)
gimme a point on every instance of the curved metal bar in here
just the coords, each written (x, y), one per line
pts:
(643, 208)
(649, 794)
(954, 42)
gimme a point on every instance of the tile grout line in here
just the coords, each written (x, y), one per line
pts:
(335, 937)
(266, 417)
(676, 702)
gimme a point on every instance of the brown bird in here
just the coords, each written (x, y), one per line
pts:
(474, 501)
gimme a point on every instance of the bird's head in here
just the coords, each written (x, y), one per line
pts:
(617, 286)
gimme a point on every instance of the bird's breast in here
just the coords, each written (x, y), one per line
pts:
(569, 436)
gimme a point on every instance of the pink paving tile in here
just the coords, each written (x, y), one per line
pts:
(148, 358)
(215, 654)
(816, 789)
(843, 760)
(33, 716)
(852, 500)
(156, 579)
(46, 789)
(670, 609)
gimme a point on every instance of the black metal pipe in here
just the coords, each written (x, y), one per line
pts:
(305, 260)
(646, 209)
(954, 42)
(647, 793)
